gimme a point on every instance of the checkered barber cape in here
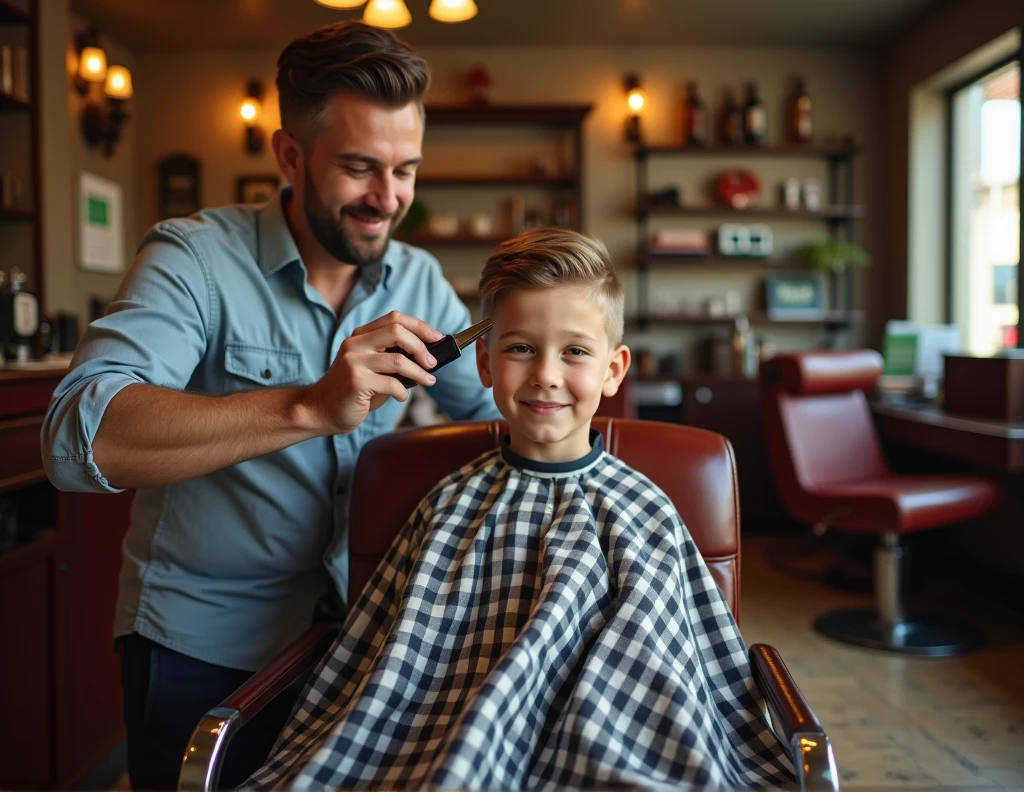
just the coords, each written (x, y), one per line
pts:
(533, 626)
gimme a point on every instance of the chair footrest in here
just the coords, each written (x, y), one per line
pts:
(863, 627)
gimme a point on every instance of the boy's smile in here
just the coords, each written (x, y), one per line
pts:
(549, 359)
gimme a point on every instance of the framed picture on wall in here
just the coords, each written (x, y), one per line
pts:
(179, 185)
(258, 188)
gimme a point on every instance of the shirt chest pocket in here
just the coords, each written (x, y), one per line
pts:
(247, 366)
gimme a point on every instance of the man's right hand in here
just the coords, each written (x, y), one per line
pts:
(362, 376)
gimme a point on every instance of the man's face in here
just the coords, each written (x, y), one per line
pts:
(360, 175)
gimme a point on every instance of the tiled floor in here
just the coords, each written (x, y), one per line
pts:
(897, 721)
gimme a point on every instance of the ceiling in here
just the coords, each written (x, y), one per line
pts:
(178, 25)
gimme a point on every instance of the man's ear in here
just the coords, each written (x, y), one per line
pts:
(483, 362)
(288, 153)
(617, 368)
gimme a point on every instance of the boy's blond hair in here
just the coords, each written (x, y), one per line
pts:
(544, 257)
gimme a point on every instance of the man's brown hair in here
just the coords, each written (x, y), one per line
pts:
(546, 257)
(346, 56)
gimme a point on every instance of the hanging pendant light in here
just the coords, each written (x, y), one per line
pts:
(340, 3)
(452, 10)
(390, 14)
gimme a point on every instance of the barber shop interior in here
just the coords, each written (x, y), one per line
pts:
(511, 395)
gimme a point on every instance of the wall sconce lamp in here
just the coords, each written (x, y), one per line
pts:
(635, 99)
(251, 109)
(102, 116)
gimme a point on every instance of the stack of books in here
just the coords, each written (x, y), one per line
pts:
(679, 243)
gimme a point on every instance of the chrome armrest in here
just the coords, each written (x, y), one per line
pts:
(204, 756)
(794, 721)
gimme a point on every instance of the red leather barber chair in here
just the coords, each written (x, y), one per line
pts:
(831, 473)
(695, 468)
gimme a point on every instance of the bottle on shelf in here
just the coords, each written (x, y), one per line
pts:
(696, 118)
(744, 348)
(19, 318)
(732, 121)
(755, 118)
(800, 114)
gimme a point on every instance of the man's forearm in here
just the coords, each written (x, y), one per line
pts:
(152, 436)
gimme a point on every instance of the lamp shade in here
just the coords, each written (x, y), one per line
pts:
(387, 14)
(92, 64)
(340, 3)
(119, 83)
(452, 10)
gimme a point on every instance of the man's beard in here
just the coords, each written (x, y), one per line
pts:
(330, 231)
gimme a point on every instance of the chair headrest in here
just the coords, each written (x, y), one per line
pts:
(823, 371)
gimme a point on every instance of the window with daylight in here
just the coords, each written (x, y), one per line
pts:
(985, 141)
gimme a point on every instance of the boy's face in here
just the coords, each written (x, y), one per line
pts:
(549, 359)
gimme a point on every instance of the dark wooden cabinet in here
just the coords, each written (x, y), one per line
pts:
(88, 566)
(28, 752)
(60, 689)
(731, 407)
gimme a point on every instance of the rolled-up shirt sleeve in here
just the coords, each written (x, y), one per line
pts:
(155, 332)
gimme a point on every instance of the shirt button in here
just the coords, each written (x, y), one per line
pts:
(267, 374)
(548, 509)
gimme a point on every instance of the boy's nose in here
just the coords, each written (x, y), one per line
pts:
(546, 374)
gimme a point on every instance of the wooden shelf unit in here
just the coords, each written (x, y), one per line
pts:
(10, 14)
(566, 119)
(25, 219)
(839, 213)
(836, 318)
(496, 180)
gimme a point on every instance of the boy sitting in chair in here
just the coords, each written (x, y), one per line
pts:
(544, 618)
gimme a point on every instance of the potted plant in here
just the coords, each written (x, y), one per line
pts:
(834, 255)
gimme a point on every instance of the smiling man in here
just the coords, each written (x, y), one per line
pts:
(233, 381)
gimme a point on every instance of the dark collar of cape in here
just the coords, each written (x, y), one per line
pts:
(535, 466)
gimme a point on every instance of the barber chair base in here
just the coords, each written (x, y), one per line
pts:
(864, 627)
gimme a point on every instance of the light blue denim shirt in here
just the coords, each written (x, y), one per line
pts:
(228, 567)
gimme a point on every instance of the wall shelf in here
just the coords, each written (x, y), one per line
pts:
(564, 182)
(835, 318)
(837, 212)
(711, 261)
(457, 240)
(835, 151)
(12, 15)
(16, 214)
(552, 115)
(12, 104)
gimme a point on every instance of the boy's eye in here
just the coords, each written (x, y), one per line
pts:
(577, 352)
(519, 349)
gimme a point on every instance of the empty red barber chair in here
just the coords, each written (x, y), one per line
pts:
(830, 472)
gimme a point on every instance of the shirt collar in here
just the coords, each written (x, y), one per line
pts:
(554, 468)
(277, 246)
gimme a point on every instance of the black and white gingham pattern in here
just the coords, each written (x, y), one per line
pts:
(534, 631)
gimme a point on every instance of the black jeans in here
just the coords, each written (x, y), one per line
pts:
(165, 695)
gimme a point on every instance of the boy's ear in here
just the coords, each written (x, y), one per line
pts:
(483, 362)
(617, 368)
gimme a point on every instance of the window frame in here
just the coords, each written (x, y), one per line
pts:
(947, 308)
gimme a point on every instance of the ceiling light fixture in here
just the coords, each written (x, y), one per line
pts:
(391, 14)
(394, 14)
(340, 3)
(452, 10)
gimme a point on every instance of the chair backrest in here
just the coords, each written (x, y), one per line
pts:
(818, 423)
(695, 468)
